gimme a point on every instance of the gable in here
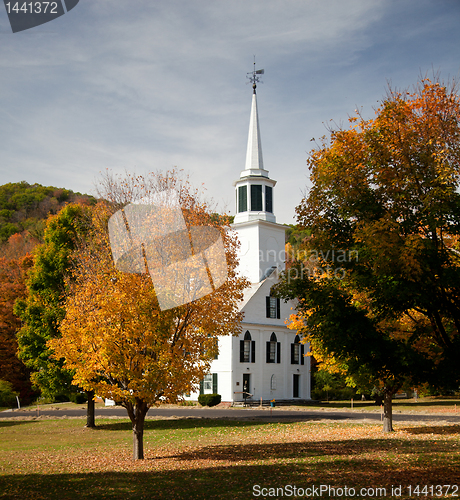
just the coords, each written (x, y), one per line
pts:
(254, 304)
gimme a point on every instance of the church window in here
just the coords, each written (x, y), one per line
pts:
(273, 350)
(209, 384)
(247, 349)
(273, 383)
(272, 307)
(269, 199)
(242, 198)
(297, 352)
(256, 197)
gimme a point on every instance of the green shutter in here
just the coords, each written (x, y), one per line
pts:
(214, 383)
(241, 351)
(256, 198)
(269, 199)
(242, 199)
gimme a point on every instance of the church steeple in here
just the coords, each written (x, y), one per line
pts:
(254, 160)
(254, 189)
(262, 240)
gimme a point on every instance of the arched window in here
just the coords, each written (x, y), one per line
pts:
(273, 383)
(247, 349)
(273, 350)
(297, 352)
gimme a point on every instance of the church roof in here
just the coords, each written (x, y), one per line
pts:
(249, 292)
(253, 288)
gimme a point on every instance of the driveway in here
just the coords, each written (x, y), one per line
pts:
(276, 414)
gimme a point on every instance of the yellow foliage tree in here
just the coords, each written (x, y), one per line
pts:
(115, 336)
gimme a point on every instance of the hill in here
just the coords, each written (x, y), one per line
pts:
(24, 207)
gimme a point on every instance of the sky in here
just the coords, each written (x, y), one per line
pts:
(144, 85)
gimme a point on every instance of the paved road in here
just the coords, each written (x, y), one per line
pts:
(253, 413)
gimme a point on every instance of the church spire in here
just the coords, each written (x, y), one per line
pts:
(254, 161)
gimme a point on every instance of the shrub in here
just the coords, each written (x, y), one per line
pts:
(209, 399)
(187, 403)
(61, 398)
(7, 395)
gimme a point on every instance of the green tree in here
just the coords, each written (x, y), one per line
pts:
(43, 309)
(379, 284)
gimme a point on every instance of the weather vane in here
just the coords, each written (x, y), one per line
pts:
(254, 78)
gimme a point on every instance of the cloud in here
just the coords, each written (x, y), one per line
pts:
(145, 85)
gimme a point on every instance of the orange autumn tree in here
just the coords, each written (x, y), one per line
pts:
(115, 335)
(384, 214)
(13, 271)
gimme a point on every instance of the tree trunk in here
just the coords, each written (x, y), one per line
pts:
(137, 415)
(90, 417)
(388, 411)
(378, 399)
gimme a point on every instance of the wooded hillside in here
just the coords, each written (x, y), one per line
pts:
(24, 207)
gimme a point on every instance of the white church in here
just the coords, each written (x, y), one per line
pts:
(266, 361)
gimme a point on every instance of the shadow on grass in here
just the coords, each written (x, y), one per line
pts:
(434, 429)
(309, 449)
(182, 423)
(12, 423)
(219, 483)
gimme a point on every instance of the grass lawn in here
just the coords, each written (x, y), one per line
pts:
(223, 459)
